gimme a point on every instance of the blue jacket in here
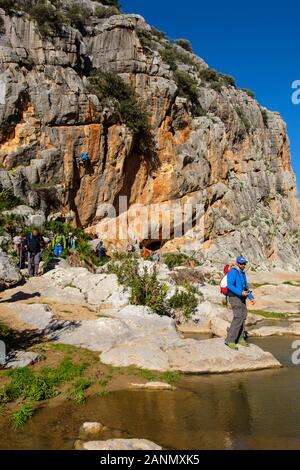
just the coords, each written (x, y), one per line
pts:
(237, 282)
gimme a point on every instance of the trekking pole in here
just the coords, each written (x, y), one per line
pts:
(20, 256)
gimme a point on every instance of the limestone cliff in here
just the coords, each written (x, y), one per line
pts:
(212, 143)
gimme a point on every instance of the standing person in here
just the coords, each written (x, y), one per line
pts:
(72, 242)
(238, 293)
(35, 245)
(59, 244)
(101, 250)
(130, 249)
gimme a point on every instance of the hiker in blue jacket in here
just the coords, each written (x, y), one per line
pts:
(238, 293)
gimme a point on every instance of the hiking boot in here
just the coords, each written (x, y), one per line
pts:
(243, 342)
(232, 345)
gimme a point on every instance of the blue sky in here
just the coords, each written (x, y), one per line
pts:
(258, 43)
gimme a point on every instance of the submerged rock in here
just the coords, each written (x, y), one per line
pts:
(89, 429)
(153, 386)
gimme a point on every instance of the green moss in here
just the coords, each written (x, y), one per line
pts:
(264, 314)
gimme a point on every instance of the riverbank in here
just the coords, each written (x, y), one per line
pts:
(231, 411)
(72, 320)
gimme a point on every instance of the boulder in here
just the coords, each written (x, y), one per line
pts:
(9, 274)
(89, 429)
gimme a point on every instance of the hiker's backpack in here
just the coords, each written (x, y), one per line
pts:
(224, 282)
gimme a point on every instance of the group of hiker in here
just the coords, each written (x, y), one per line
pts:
(234, 285)
(29, 248)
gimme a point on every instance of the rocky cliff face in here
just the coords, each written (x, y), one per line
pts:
(224, 151)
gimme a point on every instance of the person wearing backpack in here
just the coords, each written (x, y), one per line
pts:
(35, 245)
(72, 242)
(59, 244)
(238, 292)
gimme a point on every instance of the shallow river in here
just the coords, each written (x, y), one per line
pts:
(256, 410)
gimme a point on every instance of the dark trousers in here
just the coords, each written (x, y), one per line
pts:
(237, 327)
(34, 263)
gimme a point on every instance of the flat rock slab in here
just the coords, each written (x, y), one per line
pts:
(153, 386)
(189, 356)
(22, 359)
(212, 356)
(264, 331)
(121, 444)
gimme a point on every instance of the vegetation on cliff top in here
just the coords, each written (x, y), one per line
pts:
(52, 16)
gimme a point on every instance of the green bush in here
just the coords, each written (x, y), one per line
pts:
(2, 27)
(227, 79)
(111, 3)
(132, 112)
(174, 56)
(241, 114)
(8, 200)
(209, 75)
(102, 12)
(77, 16)
(49, 19)
(265, 117)
(249, 92)
(145, 287)
(158, 34)
(9, 6)
(215, 79)
(185, 44)
(188, 88)
(179, 259)
(186, 301)
(145, 38)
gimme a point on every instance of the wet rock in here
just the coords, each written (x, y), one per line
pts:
(121, 444)
(153, 386)
(89, 429)
(293, 330)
